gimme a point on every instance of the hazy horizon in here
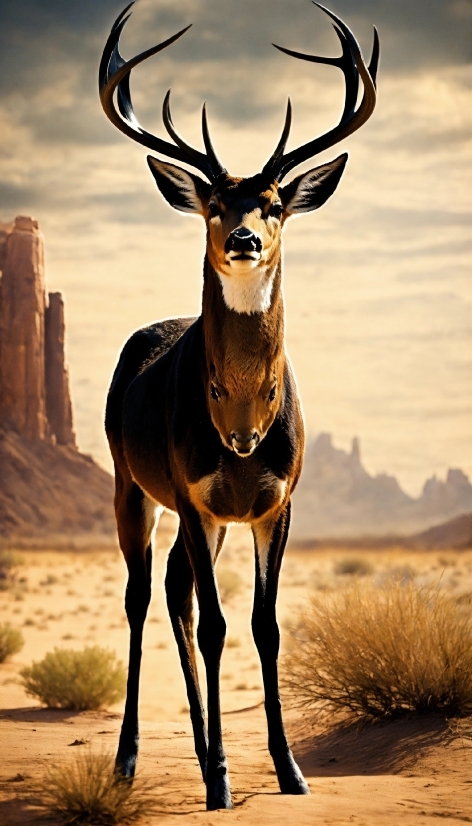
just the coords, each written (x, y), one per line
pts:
(377, 283)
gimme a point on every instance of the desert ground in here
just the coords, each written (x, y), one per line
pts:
(417, 771)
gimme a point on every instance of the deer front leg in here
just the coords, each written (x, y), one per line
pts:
(135, 519)
(270, 537)
(179, 591)
(202, 538)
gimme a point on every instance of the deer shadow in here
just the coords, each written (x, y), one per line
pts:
(377, 748)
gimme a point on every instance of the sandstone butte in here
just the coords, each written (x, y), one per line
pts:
(51, 495)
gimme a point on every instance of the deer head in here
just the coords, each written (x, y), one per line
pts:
(223, 197)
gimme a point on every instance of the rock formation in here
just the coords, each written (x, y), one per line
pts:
(50, 494)
(23, 299)
(58, 400)
(337, 498)
(35, 398)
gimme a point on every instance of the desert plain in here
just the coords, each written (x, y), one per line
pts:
(415, 771)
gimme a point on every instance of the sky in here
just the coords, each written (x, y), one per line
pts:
(377, 283)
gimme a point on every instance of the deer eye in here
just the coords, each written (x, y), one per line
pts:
(213, 209)
(272, 393)
(276, 210)
(214, 392)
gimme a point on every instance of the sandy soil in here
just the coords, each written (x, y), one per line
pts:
(410, 772)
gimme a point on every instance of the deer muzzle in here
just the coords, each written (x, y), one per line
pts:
(243, 244)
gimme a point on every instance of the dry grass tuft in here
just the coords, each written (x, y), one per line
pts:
(86, 791)
(382, 652)
(81, 680)
(11, 641)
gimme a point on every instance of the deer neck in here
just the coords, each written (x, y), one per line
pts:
(248, 292)
(241, 343)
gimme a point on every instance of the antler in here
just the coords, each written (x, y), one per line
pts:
(352, 65)
(114, 73)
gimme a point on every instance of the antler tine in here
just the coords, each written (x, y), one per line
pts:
(374, 60)
(279, 149)
(114, 73)
(215, 164)
(351, 76)
(345, 62)
(111, 41)
(212, 156)
(352, 65)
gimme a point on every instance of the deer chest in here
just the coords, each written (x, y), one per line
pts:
(241, 496)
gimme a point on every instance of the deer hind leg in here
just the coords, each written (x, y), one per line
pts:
(202, 540)
(179, 590)
(270, 538)
(135, 515)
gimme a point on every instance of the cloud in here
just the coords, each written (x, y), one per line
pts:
(424, 33)
(50, 50)
(16, 198)
(37, 36)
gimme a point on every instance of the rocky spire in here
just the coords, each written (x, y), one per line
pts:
(22, 373)
(58, 399)
(35, 399)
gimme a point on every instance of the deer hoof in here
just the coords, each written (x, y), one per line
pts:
(219, 793)
(125, 765)
(291, 780)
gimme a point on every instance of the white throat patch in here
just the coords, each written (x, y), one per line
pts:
(247, 289)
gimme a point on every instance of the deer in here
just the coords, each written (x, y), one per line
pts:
(203, 416)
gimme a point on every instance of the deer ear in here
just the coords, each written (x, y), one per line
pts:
(181, 189)
(310, 190)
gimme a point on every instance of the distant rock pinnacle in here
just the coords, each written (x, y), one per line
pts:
(336, 498)
(35, 399)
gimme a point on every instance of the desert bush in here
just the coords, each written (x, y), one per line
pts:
(50, 579)
(81, 680)
(9, 561)
(382, 652)
(229, 583)
(11, 641)
(400, 574)
(86, 790)
(354, 566)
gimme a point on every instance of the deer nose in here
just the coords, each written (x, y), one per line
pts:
(243, 240)
(244, 443)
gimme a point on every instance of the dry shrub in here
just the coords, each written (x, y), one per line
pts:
(50, 579)
(81, 680)
(11, 641)
(86, 790)
(400, 574)
(9, 562)
(354, 566)
(382, 652)
(10, 559)
(229, 583)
